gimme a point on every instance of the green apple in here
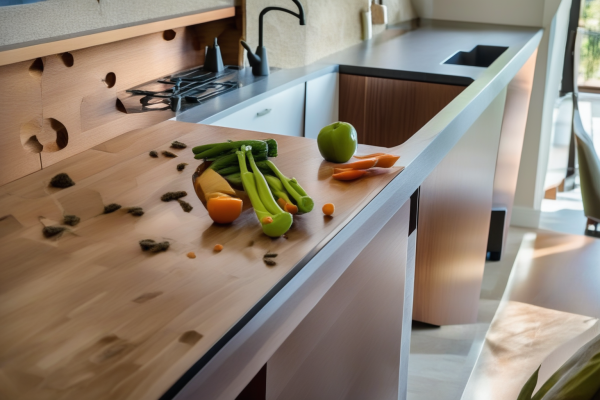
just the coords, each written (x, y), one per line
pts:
(337, 142)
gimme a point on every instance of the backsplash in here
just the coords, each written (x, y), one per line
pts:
(331, 26)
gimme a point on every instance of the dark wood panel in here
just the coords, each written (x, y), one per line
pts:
(257, 388)
(454, 217)
(352, 97)
(396, 109)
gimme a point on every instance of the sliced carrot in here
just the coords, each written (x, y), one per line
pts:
(281, 203)
(224, 209)
(218, 247)
(267, 220)
(374, 155)
(291, 208)
(350, 175)
(287, 207)
(362, 164)
(328, 209)
(338, 170)
(386, 161)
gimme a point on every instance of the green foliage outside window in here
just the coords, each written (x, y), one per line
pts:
(590, 44)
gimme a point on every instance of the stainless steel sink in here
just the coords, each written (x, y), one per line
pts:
(479, 56)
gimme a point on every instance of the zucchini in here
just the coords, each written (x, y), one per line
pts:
(268, 146)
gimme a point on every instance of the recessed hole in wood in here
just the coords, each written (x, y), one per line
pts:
(121, 107)
(110, 79)
(29, 140)
(67, 59)
(37, 68)
(169, 34)
(53, 136)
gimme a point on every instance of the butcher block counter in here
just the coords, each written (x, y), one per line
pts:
(89, 315)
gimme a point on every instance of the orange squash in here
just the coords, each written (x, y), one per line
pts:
(224, 209)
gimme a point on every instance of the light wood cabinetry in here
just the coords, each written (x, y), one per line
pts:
(511, 140)
(454, 219)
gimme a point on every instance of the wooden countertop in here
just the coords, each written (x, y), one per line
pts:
(91, 316)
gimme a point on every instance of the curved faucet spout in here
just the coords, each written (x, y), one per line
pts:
(252, 58)
(299, 15)
(258, 60)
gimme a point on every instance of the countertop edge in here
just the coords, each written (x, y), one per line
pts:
(287, 301)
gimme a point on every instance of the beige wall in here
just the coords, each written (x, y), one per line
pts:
(331, 25)
(52, 18)
(510, 12)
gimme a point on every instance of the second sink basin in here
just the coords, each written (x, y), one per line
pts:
(480, 56)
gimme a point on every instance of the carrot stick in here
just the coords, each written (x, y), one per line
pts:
(350, 175)
(338, 170)
(291, 208)
(386, 161)
(374, 155)
(362, 164)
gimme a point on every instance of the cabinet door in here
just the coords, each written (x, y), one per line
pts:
(282, 113)
(322, 105)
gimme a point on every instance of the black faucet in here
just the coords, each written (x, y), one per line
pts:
(258, 61)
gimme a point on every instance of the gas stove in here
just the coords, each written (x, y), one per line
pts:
(179, 91)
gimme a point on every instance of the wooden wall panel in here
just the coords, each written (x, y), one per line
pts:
(454, 218)
(511, 139)
(348, 347)
(352, 97)
(21, 118)
(397, 109)
(71, 107)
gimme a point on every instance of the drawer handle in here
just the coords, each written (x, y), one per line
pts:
(263, 112)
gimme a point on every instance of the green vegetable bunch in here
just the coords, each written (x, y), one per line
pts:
(245, 165)
(577, 379)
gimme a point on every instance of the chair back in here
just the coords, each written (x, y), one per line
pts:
(589, 166)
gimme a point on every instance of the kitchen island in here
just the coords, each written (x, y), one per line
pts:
(89, 315)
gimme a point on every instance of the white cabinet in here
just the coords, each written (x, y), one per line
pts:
(322, 105)
(282, 113)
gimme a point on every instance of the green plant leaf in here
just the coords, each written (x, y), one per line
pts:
(529, 387)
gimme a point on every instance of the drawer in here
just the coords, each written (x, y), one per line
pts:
(282, 113)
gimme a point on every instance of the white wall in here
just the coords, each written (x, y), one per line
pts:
(52, 18)
(553, 16)
(510, 12)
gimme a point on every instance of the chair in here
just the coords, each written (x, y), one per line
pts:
(589, 172)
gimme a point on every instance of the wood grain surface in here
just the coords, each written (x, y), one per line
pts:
(71, 90)
(387, 112)
(454, 220)
(88, 315)
(518, 94)
(396, 109)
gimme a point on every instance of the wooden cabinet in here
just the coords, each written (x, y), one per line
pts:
(387, 112)
(455, 200)
(281, 113)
